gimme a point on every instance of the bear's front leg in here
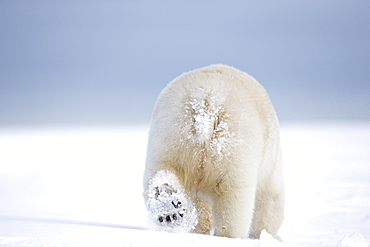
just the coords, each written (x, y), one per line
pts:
(169, 206)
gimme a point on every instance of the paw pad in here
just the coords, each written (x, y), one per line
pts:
(173, 215)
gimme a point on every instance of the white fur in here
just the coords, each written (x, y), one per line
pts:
(216, 130)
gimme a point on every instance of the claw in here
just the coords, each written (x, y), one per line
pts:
(168, 218)
(160, 219)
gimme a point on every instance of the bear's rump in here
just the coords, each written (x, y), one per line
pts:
(206, 140)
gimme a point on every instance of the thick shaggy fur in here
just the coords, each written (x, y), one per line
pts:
(216, 130)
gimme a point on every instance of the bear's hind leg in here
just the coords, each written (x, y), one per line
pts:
(205, 220)
(269, 210)
(233, 211)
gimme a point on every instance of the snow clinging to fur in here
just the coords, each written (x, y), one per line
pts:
(204, 115)
(207, 121)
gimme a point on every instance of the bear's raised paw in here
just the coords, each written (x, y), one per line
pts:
(168, 205)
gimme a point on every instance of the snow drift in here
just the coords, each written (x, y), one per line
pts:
(77, 174)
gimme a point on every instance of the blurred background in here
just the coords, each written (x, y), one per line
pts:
(105, 62)
(66, 66)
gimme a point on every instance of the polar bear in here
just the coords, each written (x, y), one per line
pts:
(213, 162)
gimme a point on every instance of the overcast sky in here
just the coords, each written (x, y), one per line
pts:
(105, 62)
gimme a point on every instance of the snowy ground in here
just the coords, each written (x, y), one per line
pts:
(94, 174)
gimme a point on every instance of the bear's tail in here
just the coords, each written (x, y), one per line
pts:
(203, 116)
(209, 119)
